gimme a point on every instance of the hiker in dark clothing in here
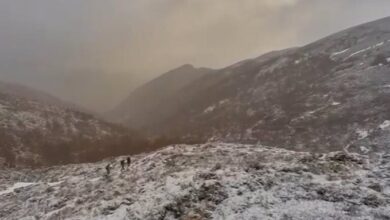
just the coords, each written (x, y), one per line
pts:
(108, 168)
(128, 161)
(123, 165)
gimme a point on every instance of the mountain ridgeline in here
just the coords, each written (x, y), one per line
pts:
(329, 95)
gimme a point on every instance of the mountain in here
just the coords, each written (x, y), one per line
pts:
(36, 95)
(201, 182)
(155, 103)
(329, 95)
(37, 129)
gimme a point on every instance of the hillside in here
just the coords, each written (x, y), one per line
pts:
(154, 104)
(332, 94)
(43, 133)
(199, 182)
(36, 95)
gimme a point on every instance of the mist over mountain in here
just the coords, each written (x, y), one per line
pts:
(157, 100)
(22, 91)
(329, 95)
(94, 52)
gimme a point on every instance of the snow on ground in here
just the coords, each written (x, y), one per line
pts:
(362, 133)
(209, 109)
(366, 49)
(15, 186)
(209, 181)
(385, 125)
(339, 52)
(364, 149)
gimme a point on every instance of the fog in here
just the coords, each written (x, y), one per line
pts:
(94, 52)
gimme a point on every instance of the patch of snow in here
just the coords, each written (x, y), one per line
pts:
(296, 62)
(223, 101)
(55, 183)
(385, 125)
(15, 186)
(339, 52)
(362, 133)
(366, 49)
(388, 59)
(95, 179)
(209, 109)
(336, 103)
(379, 44)
(364, 149)
(360, 51)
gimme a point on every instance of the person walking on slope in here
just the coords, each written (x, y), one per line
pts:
(128, 162)
(123, 165)
(108, 168)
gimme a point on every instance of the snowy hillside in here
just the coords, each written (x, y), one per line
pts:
(211, 181)
(329, 95)
(36, 133)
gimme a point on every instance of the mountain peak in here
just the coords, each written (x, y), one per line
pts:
(186, 66)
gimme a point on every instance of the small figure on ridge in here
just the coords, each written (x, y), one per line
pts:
(128, 161)
(122, 165)
(108, 168)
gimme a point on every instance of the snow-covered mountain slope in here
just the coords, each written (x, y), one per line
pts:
(328, 95)
(155, 103)
(37, 133)
(211, 181)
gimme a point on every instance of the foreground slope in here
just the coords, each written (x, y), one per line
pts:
(210, 181)
(328, 95)
(36, 132)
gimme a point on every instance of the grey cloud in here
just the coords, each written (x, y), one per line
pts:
(93, 52)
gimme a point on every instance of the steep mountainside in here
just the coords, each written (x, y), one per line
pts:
(37, 133)
(200, 182)
(328, 95)
(155, 103)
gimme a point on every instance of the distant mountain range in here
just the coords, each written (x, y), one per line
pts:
(39, 129)
(329, 95)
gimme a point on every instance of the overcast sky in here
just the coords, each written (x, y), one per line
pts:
(94, 52)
